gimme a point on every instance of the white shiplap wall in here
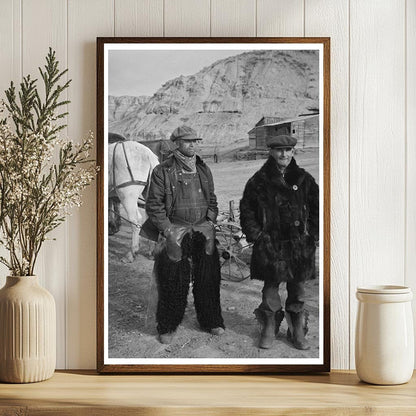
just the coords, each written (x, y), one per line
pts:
(373, 132)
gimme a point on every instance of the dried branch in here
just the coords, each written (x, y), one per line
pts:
(37, 194)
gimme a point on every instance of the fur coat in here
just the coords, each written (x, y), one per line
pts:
(279, 213)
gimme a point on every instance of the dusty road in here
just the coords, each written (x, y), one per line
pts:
(132, 328)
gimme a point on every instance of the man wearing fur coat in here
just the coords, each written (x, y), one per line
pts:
(182, 206)
(279, 213)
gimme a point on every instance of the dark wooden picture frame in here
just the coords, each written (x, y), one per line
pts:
(122, 365)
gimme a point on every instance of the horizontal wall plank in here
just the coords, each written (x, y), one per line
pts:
(138, 18)
(233, 18)
(377, 167)
(330, 18)
(187, 18)
(381, 235)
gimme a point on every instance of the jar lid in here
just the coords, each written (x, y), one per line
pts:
(384, 289)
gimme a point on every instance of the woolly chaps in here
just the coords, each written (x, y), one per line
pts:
(173, 285)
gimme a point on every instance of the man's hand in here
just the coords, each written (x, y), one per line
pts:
(265, 241)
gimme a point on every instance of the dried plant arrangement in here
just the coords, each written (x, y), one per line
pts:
(42, 175)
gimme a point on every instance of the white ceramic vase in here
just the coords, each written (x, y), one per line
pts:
(384, 342)
(27, 331)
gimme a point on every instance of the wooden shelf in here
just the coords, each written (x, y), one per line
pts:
(86, 393)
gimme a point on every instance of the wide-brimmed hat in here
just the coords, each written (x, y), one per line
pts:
(282, 140)
(184, 133)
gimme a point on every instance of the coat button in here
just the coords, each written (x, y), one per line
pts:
(297, 223)
(295, 187)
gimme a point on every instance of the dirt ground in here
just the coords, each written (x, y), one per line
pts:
(132, 327)
(132, 298)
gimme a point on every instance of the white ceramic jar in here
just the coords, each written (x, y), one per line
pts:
(384, 340)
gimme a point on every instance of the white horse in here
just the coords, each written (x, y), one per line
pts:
(130, 165)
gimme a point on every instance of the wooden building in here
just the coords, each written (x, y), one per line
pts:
(252, 138)
(305, 128)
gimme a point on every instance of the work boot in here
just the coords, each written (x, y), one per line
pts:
(218, 331)
(166, 338)
(297, 329)
(268, 327)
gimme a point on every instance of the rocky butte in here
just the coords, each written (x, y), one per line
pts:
(224, 100)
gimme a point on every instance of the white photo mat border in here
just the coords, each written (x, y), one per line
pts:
(217, 361)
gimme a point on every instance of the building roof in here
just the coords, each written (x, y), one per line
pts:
(290, 120)
(283, 121)
(264, 117)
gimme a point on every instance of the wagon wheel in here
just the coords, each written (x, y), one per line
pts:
(231, 247)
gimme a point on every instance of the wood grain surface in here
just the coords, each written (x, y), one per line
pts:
(373, 99)
(35, 45)
(187, 18)
(138, 18)
(377, 147)
(410, 106)
(280, 18)
(102, 366)
(85, 393)
(81, 259)
(233, 18)
(331, 18)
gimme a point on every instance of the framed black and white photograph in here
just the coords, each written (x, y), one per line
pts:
(213, 205)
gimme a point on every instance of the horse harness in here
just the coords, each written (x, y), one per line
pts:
(128, 183)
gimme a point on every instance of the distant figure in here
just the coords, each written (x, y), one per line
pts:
(182, 206)
(161, 148)
(279, 212)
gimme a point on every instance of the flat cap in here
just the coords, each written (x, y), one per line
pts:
(184, 133)
(281, 141)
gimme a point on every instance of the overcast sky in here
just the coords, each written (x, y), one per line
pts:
(143, 72)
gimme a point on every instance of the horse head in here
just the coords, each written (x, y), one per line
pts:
(115, 137)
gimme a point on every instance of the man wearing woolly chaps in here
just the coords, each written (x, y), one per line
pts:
(182, 205)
